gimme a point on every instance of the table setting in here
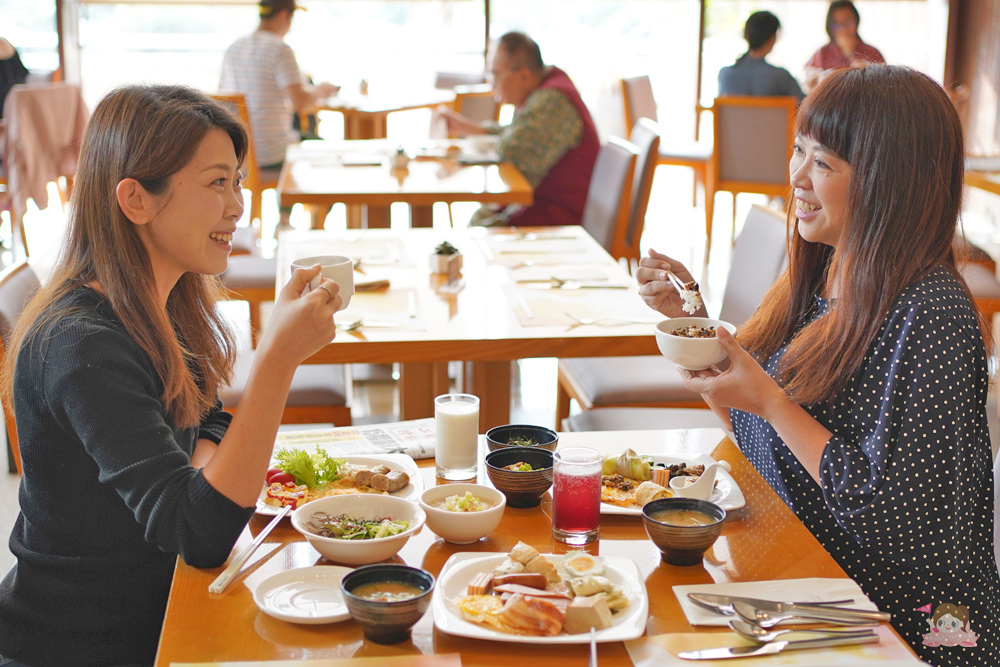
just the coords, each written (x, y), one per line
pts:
(289, 585)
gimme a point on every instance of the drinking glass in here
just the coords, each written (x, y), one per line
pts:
(576, 495)
(456, 425)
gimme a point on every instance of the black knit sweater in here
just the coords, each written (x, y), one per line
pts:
(108, 497)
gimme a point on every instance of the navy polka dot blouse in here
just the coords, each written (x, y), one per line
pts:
(905, 505)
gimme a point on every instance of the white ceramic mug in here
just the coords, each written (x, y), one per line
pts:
(338, 268)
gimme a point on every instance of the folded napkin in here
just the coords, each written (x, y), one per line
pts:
(782, 590)
(662, 650)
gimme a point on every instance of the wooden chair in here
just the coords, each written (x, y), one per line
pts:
(320, 393)
(606, 210)
(619, 382)
(257, 180)
(637, 94)
(18, 283)
(753, 144)
(476, 102)
(646, 138)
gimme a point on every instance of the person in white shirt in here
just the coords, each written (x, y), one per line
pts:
(263, 68)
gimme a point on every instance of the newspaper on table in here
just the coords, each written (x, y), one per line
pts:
(414, 438)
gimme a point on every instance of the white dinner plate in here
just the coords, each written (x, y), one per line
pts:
(402, 462)
(726, 494)
(309, 595)
(460, 569)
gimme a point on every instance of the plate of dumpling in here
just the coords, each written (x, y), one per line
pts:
(530, 597)
(630, 480)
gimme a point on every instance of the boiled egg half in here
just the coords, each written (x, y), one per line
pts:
(582, 564)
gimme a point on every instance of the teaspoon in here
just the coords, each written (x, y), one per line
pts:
(755, 633)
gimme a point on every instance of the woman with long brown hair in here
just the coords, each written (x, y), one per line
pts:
(858, 389)
(112, 372)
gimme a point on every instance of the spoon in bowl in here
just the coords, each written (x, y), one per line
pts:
(760, 635)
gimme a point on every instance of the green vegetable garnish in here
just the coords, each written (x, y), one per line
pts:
(522, 441)
(521, 466)
(466, 503)
(344, 527)
(314, 470)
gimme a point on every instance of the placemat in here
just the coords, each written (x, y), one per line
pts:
(549, 307)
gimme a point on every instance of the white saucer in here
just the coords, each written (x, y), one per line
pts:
(309, 595)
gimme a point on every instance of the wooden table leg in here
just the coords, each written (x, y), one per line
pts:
(355, 216)
(490, 381)
(418, 385)
(421, 216)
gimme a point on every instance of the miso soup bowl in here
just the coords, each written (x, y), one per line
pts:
(693, 354)
(682, 545)
(387, 622)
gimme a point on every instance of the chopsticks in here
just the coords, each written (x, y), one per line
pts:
(678, 284)
(227, 576)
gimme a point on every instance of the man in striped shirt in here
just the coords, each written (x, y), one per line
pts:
(263, 68)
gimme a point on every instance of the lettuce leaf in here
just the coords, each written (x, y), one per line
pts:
(314, 470)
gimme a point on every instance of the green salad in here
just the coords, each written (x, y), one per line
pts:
(314, 470)
(344, 527)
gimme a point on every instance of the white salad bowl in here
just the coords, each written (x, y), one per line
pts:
(359, 506)
(462, 527)
(693, 354)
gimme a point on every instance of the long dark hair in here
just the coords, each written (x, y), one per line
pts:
(902, 138)
(147, 133)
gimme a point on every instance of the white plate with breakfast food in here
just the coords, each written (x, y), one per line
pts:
(532, 598)
(308, 595)
(630, 480)
(395, 474)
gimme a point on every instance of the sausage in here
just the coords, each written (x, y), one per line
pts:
(391, 482)
(364, 477)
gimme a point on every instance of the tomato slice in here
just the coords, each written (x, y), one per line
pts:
(281, 478)
(271, 472)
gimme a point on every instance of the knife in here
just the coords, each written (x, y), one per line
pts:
(776, 647)
(723, 604)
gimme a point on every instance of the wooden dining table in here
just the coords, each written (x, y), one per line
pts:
(760, 542)
(359, 174)
(983, 172)
(481, 319)
(366, 116)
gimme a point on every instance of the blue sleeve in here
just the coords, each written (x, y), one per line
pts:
(99, 385)
(915, 446)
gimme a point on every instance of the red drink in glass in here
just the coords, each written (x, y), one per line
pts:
(576, 495)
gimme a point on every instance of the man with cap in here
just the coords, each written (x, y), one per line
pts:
(263, 68)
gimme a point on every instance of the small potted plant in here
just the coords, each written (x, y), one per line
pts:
(442, 254)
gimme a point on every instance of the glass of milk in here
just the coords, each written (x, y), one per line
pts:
(456, 424)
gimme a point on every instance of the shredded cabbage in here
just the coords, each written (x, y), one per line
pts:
(466, 503)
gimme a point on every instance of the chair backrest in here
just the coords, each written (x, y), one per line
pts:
(753, 143)
(477, 102)
(237, 103)
(637, 95)
(605, 213)
(758, 259)
(451, 80)
(646, 138)
(18, 283)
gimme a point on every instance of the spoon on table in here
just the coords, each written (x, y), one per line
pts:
(760, 635)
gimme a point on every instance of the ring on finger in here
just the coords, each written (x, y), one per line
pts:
(327, 290)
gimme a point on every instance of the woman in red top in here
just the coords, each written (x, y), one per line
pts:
(845, 48)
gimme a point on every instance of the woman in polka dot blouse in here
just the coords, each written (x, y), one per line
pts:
(858, 390)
